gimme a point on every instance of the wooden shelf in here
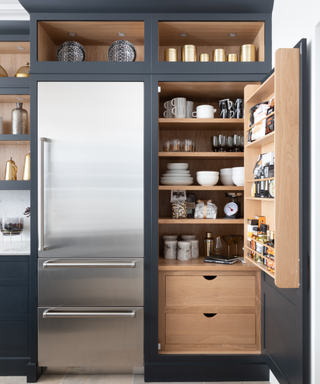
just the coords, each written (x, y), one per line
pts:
(200, 265)
(200, 188)
(14, 99)
(203, 155)
(267, 139)
(254, 180)
(260, 199)
(252, 126)
(203, 124)
(163, 220)
(13, 185)
(259, 254)
(263, 92)
(260, 265)
(258, 242)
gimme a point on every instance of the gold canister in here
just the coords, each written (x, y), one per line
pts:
(232, 57)
(26, 168)
(219, 55)
(170, 54)
(248, 52)
(23, 71)
(204, 57)
(11, 170)
(189, 53)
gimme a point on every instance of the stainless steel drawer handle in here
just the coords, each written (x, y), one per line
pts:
(47, 314)
(53, 264)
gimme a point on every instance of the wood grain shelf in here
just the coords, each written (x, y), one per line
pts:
(203, 124)
(267, 139)
(264, 91)
(203, 155)
(260, 199)
(199, 265)
(165, 220)
(200, 188)
(260, 265)
(252, 126)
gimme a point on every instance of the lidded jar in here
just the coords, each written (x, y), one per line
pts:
(23, 71)
(19, 120)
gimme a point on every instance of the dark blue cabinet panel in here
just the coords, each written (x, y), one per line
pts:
(14, 335)
(13, 300)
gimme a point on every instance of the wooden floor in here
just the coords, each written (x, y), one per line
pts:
(99, 379)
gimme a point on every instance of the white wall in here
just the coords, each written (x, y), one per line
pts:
(293, 20)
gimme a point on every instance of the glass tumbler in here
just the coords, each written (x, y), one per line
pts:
(166, 146)
(222, 143)
(215, 143)
(230, 143)
(187, 145)
(175, 145)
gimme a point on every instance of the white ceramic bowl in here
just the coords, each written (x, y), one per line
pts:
(207, 179)
(226, 179)
(238, 180)
(226, 170)
(177, 165)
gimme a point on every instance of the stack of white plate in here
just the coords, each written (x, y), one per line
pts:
(177, 174)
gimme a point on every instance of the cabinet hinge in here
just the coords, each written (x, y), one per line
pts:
(159, 89)
(159, 347)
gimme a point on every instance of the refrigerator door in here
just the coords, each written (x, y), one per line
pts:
(90, 154)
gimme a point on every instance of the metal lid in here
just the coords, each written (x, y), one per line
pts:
(209, 235)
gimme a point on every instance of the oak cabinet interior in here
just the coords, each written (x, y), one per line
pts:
(13, 55)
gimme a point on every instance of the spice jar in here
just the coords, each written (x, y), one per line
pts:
(179, 210)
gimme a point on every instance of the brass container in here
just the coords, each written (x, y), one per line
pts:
(3, 72)
(170, 54)
(11, 170)
(208, 244)
(189, 53)
(23, 71)
(26, 168)
(204, 57)
(219, 55)
(248, 52)
(232, 57)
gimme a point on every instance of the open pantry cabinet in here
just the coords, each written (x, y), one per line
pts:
(209, 309)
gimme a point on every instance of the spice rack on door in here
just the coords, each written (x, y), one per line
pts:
(281, 212)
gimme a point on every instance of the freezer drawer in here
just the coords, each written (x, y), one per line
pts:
(90, 282)
(96, 336)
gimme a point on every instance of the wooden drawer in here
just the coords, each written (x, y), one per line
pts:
(199, 329)
(220, 290)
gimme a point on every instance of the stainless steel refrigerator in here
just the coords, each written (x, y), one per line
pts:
(90, 186)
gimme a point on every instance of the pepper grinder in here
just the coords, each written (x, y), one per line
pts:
(208, 244)
(19, 120)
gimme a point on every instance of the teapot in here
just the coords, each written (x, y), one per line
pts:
(11, 170)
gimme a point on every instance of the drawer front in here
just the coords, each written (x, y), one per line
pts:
(229, 291)
(210, 329)
(96, 282)
(94, 337)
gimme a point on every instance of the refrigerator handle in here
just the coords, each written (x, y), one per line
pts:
(41, 193)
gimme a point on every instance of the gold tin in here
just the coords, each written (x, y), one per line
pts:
(232, 57)
(189, 53)
(23, 71)
(248, 52)
(26, 168)
(11, 170)
(219, 55)
(170, 54)
(3, 72)
(204, 57)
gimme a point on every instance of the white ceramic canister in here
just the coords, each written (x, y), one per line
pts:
(168, 237)
(194, 249)
(188, 237)
(184, 250)
(170, 249)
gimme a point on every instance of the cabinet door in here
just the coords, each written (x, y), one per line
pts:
(284, 311)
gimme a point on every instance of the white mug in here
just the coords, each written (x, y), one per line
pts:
(167, 104)
(228, 102)
(179, 102)
(168, 113)
(204, 112)
(179, 112)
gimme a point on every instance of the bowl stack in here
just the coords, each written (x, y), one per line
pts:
(226, 176)
(238, 176)
(177, 174)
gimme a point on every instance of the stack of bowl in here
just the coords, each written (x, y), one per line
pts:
(238, 176)
(226, 176)
(177, 174)
(207, 178)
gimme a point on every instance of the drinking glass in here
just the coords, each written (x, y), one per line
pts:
(222, 143)
(217, 249)
(215, 143)
(175, 145)
(237, 240)
(242, 143)
(229, 143)
(236, 143)
(166, 146)
(228, 240)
